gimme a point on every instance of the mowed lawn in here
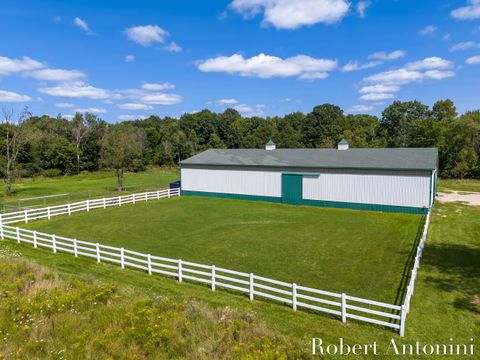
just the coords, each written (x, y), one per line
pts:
(357, 252)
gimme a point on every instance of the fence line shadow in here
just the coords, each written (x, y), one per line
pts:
(407, 269)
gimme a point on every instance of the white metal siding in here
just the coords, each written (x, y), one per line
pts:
(385, 188)
(245, 182)
(354, 186)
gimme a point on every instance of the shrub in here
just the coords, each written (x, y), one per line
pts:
(51, 172)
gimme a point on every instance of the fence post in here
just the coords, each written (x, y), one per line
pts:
(168, 193)
(75, 249)
(69, 209)
(26, 216)
(122, 258)
(88, 205)
(158, 195)
(35, 239)
(344, 308)
(18, 235)
(98, 252)
(119, 201)
(294, 297)
(250, 291)
(1, 230)
(213, 277)
(146, 197)
(179, 270)
(104, 203)
(54, 245)
(403, 316)
(48, 213)
(133, 198)
(149, 264)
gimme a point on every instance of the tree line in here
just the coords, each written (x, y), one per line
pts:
(42, 145)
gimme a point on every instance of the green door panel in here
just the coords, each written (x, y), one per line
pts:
(292, 188)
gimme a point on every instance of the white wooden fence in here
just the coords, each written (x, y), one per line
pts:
(413, 276)
(296, 296)
(86, 205)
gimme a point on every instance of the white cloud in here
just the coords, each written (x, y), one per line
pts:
(129, 58)
(156, 86)
(173, 47)
(377, 96)
(13, 97)
(469, 12)
(57, 19)
(224, 102)
(64, 105)
(134, 106)
(427, 30)
(146, 35)
(398, 76)
(382, 55)
(433, 62)
(82, 24)
(8, 65)
(446, 37)
(76, 89)
(68, 116)
(131, 117)
(362, 7)
(379, 88)
(91, 110)
(57, 75)
(161, 99)
(378, 59)
(310, 76)
(464, 46)
(388, 82)
(438, 74)
(355, 65)
(267, 66)
(249, 110)
(360, 108)
(474, 60)
(292, 14)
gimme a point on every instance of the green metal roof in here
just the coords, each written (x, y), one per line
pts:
(379, 158)
(270, 142)
(343, 142)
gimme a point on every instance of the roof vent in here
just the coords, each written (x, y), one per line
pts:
(343, 145)
(270, 145)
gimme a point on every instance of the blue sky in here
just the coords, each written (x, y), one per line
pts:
(129, 59)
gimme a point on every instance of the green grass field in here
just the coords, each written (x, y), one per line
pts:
(445, 304)
(360, 253)
(468, 185)
(80, 187)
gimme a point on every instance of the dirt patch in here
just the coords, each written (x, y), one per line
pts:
(468, 198)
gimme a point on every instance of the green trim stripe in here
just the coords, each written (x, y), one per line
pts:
(321, 203)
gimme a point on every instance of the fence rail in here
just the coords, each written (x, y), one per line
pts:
(414, 271)
(338, 304)
(86, 205)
